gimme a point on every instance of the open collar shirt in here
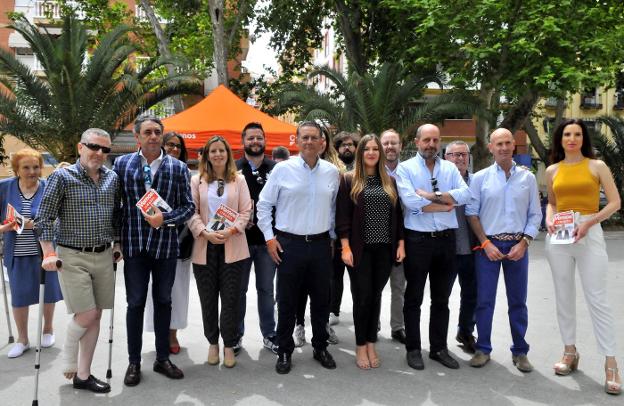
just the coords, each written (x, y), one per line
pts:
(413, 174)
(304, 198)
(505, 205)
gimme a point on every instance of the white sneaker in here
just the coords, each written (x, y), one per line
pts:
(17, 350)
(299, 335)
(48, 340)
(333, 319)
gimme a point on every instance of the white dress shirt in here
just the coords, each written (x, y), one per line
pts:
(304, 198)
(505, 205)
(413, 174)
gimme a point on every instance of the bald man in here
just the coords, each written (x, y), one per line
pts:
(505, 215)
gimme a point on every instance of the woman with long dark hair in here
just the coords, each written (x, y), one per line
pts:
(574, 181)
(369, 223)
(218, 254)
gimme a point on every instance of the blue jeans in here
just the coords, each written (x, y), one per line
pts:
(516, 280)
(465, 270)
(265, 274)
(137, 271)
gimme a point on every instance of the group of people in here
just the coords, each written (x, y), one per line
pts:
(349, 203)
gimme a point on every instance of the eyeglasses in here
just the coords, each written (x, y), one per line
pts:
(173, 145)
(97, 147)
(434, 185)
(346, 146)
(259, 178)
(457, 154)
(147, 176)
(220, 187)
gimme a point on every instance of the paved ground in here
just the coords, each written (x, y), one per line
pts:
(254, 382)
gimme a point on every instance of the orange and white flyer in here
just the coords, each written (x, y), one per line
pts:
(152, 198)
(13, 215)
(564, 223)
(223, 218)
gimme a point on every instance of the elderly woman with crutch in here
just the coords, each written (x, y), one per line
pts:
(23, 194)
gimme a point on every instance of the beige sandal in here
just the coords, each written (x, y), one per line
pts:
(612, 387)
(563, 368)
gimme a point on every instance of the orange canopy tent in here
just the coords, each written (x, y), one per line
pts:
(223, 113)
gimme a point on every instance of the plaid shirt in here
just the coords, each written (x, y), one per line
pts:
(171, 181)
(88, 212)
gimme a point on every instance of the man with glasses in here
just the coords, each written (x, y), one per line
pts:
(150, 241)
(85, 199)
(429, 188)
(346, 143)
(458, 153)
(302, 193)
(256, 169)
(391, 143)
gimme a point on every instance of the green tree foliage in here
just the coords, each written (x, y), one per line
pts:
(101, 87)
(611, 151)
(522, 49)
(386, 98)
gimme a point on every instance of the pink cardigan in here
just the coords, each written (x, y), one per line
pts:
(238, 199)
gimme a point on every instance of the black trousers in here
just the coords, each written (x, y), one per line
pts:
(215, 279)
(433, 257)
(307, 265)
(367, 282)
(337, 281)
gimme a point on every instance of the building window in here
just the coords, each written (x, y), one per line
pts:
(619, 93)
(591, 99)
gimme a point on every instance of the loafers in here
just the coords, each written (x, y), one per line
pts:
(283, 364)
(522, 363)
(92, 384)
(399, 335)
(133, 375)
(467, 341)
(168, 369)
(444, 358)
(238, 346)
(324, 358)
(414, 360)
(479, 359)
(18, 349)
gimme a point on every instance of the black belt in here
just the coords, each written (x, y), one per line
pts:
(431, 234)
(306, 238)
(99, 248)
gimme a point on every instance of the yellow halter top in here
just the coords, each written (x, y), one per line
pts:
(576, 188)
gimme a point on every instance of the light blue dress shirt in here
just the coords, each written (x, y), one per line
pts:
(304, 198)
(505, 205)
(413, 174)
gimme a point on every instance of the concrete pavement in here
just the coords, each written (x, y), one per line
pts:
(254, 382)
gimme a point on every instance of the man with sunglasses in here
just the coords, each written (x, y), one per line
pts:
(256, 168)
(150, 241)
(301, 194)
(85, 198)
(458, 153)
(429, 188)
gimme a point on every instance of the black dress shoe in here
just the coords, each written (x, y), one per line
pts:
(283, 364)
(133, 375)
(399, 335)
(414, 360)
(168, 369)
(91, 383)
(325, 358)
(467, 341)
(444, 358)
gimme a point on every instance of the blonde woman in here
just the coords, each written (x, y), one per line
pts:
(218, 255)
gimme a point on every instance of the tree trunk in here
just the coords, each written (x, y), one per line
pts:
(163, 47)
(221, 49)
(349, 20)
(480, 153)
(517, 116)
(536, 142)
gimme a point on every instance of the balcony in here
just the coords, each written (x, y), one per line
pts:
(619, 99)
(551, 103)
(589, 101)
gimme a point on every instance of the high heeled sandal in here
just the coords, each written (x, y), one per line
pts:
(229, 358)
(213, 355)
(563, 368)
(612, 387)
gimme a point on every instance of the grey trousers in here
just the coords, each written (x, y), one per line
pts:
(397, 289)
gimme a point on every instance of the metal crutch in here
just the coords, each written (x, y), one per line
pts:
(109, 372)
(6, 302)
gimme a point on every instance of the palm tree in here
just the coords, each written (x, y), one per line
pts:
(82, 88)
(611, 151)
(373, 102)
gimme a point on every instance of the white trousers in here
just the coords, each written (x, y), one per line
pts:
(589, 256)
(179, 299)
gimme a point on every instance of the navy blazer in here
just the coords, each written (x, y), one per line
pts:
(9, 193)
(172, 183)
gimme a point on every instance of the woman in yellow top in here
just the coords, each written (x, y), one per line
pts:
(574, 181)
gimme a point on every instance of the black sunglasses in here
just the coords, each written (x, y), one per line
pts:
(97, 147)
(220, 187)
(173, 145)
(434, 184)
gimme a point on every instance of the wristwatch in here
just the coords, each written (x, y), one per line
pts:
(527, 239)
